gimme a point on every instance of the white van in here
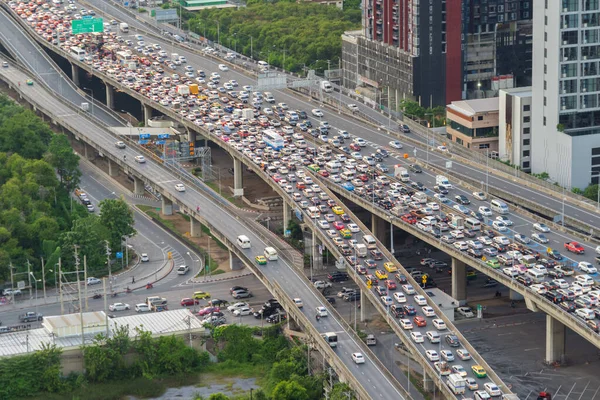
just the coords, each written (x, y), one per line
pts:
(243, 241)
(472, 224)
(270, 254)
(433, 336)
(269, 97)
(263, 64)
(347, 175)
(584, 280)
(420, 197)
(499, 206)
(370, 242)
(361, 250)
(314, 212)
(535, 275)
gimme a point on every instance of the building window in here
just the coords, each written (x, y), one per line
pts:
(526, 142)
(545, 69)
(595, 160)
(526, 119)
(526, 153)
(545, 85)
(545, 53)
(479, 118)
(526, 131)
(544, 122)
(546, 17)
(544, 100)
(460, 141)
(526, 107)
(484, 146)
(596, 151)
(545, 36)
(525, 164)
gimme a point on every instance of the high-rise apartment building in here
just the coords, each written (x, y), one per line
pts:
(566, 86)
(438, 51)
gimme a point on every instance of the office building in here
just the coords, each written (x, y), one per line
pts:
(473, 124)
(514, 140)
(566, 85)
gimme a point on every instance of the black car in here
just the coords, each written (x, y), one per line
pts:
(440, 190)
(275, 318)
(477, 215)
(409, 310)
(418, 185)
(568, 306)
(397, 311)
(555, 274)
(524, 280)
(452, 340)
(383, 152)
(415, 168)
(352, 297)
(302, 114)
(404, 128)
(330, 300)
(462, 199)
(554, 297)
(217, 302)
(272, 303)
(338, 277)
(401, 278)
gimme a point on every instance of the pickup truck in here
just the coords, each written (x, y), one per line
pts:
(574, 247)
(30, 316)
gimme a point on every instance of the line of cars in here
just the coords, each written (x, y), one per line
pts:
(491, 244)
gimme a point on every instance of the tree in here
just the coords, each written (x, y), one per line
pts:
(61, 156)
(289, 390)
(412, 108)
(117, 218)
(89, 235)
(591, 192)
(218, 396)
(341, 391)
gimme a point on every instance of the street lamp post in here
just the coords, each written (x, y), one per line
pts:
(597, 175)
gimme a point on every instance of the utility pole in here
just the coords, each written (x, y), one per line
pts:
(109, 267)
(62, 305)
(44, 280)
(12, 281)
(29, 276)
(79, 294)
(85, 281)
(105, 306)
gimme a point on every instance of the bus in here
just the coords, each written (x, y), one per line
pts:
(272, 139)
(472, 224)
(330, 338)
(78, 52)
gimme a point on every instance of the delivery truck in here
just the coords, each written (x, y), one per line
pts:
(124, 27)
(183, 90)
(194, 89)
(442, 181)
(456, 383)
(401, 173)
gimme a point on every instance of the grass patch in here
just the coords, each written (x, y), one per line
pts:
(227, 369)
(139, 387)
(214, 186)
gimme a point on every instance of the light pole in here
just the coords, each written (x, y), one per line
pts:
(427, 133)
(218, 32)
(487, 170)
(92, 92)
(598, 185)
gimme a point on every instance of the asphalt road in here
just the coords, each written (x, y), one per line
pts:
(368, 375)
(373, 135)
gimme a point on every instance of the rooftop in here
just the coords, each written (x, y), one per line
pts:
(476, 106)
(520, 91)
(65, 330)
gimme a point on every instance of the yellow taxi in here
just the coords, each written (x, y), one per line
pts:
(201, 295)
(337, 210)
(390, 267)
(260, 260)
(380, 274)
(346, 234)
(479, 371)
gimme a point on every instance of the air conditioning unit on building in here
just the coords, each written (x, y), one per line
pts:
(564, 75)
(565, 42)
(585, 24)
(583, 89)
(584, 57)
(563, 107)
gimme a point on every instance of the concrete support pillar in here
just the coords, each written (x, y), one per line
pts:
(75, 74)
(459, 280)
(88, 151)
(515, 295)
(195, 227)
(428, 383)
(113, 168)
(235, 263)
(555, 340)
(287, 215)
(138, 186)
(238, 171)
(378, 227)
(167, 206)
(367, 310)
(317, 257)
(110, 96)
(147, 113)
(191, 136)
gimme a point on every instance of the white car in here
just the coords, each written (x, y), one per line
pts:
(140, 159)
(439, 324)
(561, 283)
(417, 337)
(447, 355)
(395, 144)
(408, 289)
(540, 237)
(93, 281)
(144, 257)
(142, 307)
(538, 226)
(462, 246)
(322, 284)
(118, 307)
(223, 67)
(463, 354)
(353, 228)
(479, 196)
(298, 302)
(179, 187)
(242, 311)
(400, 297)
(317, 112)
(587, 267)
(504, 219)
(499, 226)
(428, 311)
(237, 306)
(420, 300)
(461, 208)
(459, 369)
(322, 311)
(432, 355)
(406, 324)
(465, 312)
(485, 211)
(538, 288)
(492, 389)
(358, 358)
(387, 300)
(323, 224)
(503, 240)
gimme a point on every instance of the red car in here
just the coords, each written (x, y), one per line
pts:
(574, 247)
(300, 186)
(409, 219)
(208, 311)
(345, 218)
(363, 177)
(377, 255)
(420, 321)
(277, 178)
(323, 173)
(338, 225)
(189, 302)
(355, 147)
(391, 285)
(361, 269)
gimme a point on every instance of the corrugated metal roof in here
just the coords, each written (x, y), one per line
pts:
(472, 107)
(162, 323)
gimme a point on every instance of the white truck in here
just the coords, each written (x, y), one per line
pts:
(442, 181)
(456, 383)
(123, 27)
(401, 173)
(326, 86)
(361, 250)
(457, 222)
(183, 90)
(247, 113)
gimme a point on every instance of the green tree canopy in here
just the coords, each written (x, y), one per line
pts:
(117, 218)
(289, 390)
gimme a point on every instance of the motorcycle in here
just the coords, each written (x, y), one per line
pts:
(128, 290)
(149, 286)
(97, 296)
(318, 317)
(114, 294)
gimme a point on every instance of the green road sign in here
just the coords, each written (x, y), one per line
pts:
(87, 25)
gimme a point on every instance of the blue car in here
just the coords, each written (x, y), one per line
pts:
(348, 186)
